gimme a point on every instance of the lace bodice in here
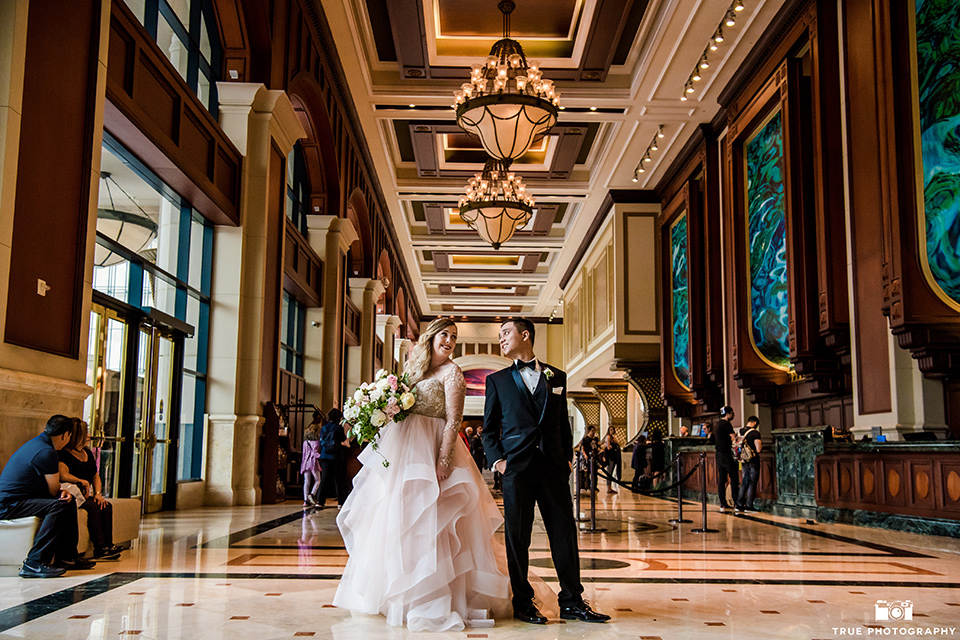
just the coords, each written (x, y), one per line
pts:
(441, 396)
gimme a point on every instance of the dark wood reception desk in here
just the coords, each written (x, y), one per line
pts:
(893, 481)
(897, 485)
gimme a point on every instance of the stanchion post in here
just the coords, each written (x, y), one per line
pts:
(703, 496)
(678, 465)
(593, 496)
(576, 485)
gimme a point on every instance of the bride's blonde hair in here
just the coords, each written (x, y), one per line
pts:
(422, 352)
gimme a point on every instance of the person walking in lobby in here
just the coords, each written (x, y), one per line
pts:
(723, 437)
(30, 486)
(750, 437)
(527, 432)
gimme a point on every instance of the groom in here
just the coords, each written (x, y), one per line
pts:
(527, 432)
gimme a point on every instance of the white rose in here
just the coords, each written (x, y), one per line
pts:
(357, 395)
(382, 373)
(375, 395)
(377, 418)
(383, 384)
(407, 400)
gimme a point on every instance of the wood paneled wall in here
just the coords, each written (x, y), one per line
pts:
(54, 170)
(153, 112)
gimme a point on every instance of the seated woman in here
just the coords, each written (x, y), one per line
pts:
(78, 466)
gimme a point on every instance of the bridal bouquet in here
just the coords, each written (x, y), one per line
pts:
(373, 404)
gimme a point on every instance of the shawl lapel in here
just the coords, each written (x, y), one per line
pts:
(522, 388)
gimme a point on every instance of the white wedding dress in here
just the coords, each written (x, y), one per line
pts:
(422, 551)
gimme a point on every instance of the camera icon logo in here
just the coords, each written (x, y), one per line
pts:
(894, 610)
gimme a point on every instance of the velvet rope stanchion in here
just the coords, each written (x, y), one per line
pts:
(703, 496)
(678, 463)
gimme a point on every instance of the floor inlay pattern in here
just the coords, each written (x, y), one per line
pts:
(259, 573)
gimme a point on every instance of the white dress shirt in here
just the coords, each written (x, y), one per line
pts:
(531, 376)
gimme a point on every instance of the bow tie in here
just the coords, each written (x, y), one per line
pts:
(532, 364)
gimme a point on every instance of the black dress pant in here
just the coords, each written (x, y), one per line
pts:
(57, 535)
(543, 484)
(332, 477)
(99, 523)
(727, 470)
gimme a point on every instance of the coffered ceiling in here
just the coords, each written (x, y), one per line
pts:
(620, 65)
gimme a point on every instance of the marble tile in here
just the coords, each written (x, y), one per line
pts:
(267, 572)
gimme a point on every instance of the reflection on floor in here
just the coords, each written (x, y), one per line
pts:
(270, 572)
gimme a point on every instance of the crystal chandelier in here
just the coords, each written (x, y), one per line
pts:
(507, 103)
(496, 203)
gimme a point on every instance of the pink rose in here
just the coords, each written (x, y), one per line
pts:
(392, 380)
(391, 410)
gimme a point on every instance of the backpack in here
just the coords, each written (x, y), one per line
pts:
(328, 441)
(746, 453)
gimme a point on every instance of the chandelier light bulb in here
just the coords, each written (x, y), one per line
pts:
(738, 6)
(718, 36)
(731, 19)
(703, 61)
(713, 45)
(683, 97)
(660, 131)
(696, 77)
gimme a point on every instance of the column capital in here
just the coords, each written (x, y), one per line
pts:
(238, 100)
(320, 228)
(367, 285)
(387, 324)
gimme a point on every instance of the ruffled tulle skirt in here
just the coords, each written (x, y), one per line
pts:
(421, 552)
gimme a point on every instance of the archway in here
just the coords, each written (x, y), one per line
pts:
(361, 252)
(318, 147)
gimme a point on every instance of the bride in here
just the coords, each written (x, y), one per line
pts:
(420, 531)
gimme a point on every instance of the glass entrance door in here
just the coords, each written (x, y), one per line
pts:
(104, 408)
(156, 377)
(135, 368)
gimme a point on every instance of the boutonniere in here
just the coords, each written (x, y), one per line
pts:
(548, 373)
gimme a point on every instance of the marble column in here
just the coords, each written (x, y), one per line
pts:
(330, 237)
(403, 347)
(364, 292)
(260, 123)
(386, 331)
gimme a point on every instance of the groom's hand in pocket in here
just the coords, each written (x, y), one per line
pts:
(500, 466)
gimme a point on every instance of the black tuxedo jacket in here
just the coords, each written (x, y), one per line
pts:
(515, 427)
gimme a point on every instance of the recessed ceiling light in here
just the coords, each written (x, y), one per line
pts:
(593, 108)
(412, 106)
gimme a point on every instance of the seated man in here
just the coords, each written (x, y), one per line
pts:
(30, 486)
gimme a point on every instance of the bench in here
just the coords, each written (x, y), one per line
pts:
(16, 536)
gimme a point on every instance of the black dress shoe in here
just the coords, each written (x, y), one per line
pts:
(76, 564)
(106, 553)
(40, 570)
(582, 612)
(530, 614)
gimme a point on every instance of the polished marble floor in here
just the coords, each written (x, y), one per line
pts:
(270, 572)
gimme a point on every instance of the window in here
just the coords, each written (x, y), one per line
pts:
(292, 316)
(154, 251)
(186, 33)
(298, 189)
